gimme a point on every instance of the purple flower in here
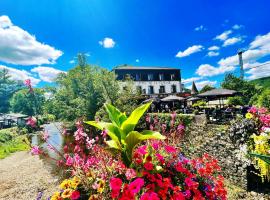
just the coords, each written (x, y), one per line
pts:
(35, 150)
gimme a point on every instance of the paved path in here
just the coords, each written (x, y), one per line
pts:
(23, 176)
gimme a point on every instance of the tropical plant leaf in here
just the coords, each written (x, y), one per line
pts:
(113, 144)
(134, 137)
(113, 131)
(116, 117)
(265, 158)
(129, 124)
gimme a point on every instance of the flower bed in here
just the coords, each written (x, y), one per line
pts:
(123, 163)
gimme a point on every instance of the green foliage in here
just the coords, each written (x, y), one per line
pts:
(206, 88)
(264, 99)
(247, 89)
(11, 141)
(121, 130)
(235, 101)
(7, 88)
(265, 158)
(28, 103)
(199, 104)
(263, 82)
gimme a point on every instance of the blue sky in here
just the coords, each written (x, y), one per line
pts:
(38, 39)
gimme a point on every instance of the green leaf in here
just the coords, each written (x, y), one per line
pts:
(113, 131)
(265, 158)
(129, 124)
(116, 117)
(134, 137)
(113, 144)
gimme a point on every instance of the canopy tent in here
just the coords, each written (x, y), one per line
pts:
(218, 94)
(194, 99)
(173, 98)
(153, 99)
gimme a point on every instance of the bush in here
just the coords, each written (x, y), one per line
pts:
(235, 101)
(264, 99)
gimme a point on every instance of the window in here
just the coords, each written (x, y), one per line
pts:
(150, 77)
(150, 89)
(173, 88)
(138, 77)
(162, 89)
(172, 77)
(139, 89)
(144, 91)
(161, 77)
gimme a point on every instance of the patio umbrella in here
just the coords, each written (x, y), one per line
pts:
(173, 98)
(153, 99)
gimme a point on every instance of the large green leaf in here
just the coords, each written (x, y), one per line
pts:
(113, 144)
(265, 158)
(116, 117)
(134, 137)
(113, 131)
(129, 124)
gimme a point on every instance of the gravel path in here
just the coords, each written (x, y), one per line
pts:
(23, 176)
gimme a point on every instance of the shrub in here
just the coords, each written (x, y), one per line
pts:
(235, 101)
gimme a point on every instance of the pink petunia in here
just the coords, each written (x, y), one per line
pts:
(35, 150)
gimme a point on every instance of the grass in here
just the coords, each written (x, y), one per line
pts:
(11, 142)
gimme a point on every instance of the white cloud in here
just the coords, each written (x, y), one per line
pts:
(261, 41)
(20, 75)
(137, 60)
(201, 84)
(47, 74)
(200, 28)
(209, 70)
(189, 51)
(213, 48)
(190, 80)
(212, 53)
(107, 42)
(223, 36)
(237, 26)
(72, 61)
(263, 70)
(232, 41)
(17, 46)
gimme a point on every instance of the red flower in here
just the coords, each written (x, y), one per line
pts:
(75, 195)
(150, 196)
(170, 149)
(115, 184)
(148, 166)
(136, 185)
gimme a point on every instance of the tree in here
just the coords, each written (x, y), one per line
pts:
(29, 103)
(264, 99)
(246, 88)
(235, 101)
(206, 88)
(7, 88)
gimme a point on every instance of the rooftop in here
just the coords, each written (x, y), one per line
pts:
(144, 67)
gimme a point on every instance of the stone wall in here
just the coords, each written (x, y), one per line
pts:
(203, 138)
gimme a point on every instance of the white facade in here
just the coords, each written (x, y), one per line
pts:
(145, 85)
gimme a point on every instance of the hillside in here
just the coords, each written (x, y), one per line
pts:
(265, 82)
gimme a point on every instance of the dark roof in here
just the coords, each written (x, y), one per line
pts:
(218, 92)
(143, 67)
(194, 89)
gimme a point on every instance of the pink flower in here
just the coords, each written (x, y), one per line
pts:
(136, 185)
(104, 132)
(155, 145)
(130, 173)
(35, 150)
(142, 150)
(89, 143)
(31, 121)
(148, 118)
(75, 195)
(253, 110)
(180, 128)
(150, 196)
(170, 149)
(69, 161)
(45, 136)
(27, 82)
(160, 158)
(115, 184)
(262, 110)
(79, 134)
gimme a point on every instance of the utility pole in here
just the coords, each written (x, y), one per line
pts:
(240, 52)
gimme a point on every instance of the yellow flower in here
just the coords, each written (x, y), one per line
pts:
(66, 194)
(56, 196)
(101, 186)
(93, 197)
(249, 116)
(65, 184)
(75, 182)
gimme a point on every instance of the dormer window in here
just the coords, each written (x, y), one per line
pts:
(150, 77)
(161, 77)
